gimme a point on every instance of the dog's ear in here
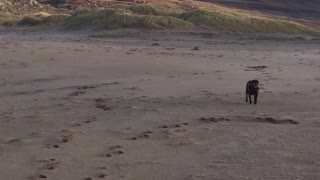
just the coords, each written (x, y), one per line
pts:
(255, 81)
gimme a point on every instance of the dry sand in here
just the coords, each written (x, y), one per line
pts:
(75, 108)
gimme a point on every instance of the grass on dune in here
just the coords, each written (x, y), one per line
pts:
(6, 19)
(242, 22)
(55, 18)
(162, 16)
(152, 9)
(40, 19)
(112, 18)
(167, 16)
(33, 19)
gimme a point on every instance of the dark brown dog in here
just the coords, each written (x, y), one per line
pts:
(252, 88)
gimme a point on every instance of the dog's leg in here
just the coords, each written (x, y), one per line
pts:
(255, 98)
(250, 98)
(246, 97)
(247, 93)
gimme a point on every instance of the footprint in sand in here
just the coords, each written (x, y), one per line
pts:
(209, 93)
(133, 138)
(13, 141)
(93, 119)
(49, 165)
(198, 73)
(277, 121)
(213, 119)
(115, 147)
(88, 121)
(118, 152)
(102, 168)
(82, 89)
(164, 127)
(103, 107)
(108, 155)
(114, 150)
(146, 134)
(178, 137)
(88, 178)
(99, 100)
(256, 68)
(86, 87)
(196, 48)
(79, 50)
(174, 125)
(77, 93)
(101, 175)
(171, 76)
(133, 88)
(65, 139)
(76, 125)
(55, 146)
(62, 140)
(144, 80)
(41, 176)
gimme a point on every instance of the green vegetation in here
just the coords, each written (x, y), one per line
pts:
(55, 18)
(165, 16)
(39, 19)
(151, 9)
(112, 18)
(6, 19)
(242, 22)
(30, 20)
(158, 16)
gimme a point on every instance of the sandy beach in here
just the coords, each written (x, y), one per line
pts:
(77, 107)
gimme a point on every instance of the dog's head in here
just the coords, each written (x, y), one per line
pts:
(255, 84)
